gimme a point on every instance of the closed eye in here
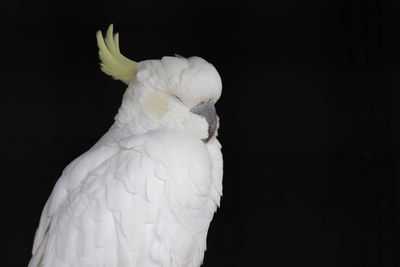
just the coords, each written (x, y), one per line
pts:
(180, 100)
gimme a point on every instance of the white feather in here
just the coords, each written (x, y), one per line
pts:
(174, 206)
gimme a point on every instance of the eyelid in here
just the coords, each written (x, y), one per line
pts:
(177, 98)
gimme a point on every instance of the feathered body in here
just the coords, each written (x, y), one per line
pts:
(145, 193)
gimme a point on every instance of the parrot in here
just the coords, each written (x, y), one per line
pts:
(144, 195)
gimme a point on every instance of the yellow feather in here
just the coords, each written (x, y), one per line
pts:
(116, 40)
(113, 62)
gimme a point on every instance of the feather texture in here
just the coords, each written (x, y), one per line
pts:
(113, 62)
(145, 202)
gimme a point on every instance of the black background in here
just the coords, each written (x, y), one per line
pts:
(309, 118)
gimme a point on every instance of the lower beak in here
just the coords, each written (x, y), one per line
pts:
(207, 110)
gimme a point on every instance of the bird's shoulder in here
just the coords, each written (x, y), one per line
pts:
(122, 181)
(158, 149)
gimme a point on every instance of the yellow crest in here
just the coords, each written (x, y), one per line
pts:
(113, 62)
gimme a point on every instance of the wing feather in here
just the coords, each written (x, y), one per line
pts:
(145, 205)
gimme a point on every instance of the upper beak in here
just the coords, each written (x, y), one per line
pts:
(207, 110)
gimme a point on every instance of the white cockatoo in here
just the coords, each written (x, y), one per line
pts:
(144, 195)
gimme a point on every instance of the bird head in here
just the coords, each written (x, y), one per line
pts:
(172, 92)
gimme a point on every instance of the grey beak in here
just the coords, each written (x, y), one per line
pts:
(207, 110)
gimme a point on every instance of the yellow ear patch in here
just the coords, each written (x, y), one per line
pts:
(156, 103)
(113, 62)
